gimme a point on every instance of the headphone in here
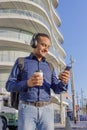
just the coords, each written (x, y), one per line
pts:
(34, 42)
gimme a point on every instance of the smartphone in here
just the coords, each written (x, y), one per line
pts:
(68, 68)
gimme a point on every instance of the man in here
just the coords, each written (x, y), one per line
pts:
(35, 110)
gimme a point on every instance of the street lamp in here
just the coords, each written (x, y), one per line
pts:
(61, 103)
(72, 89)
(86, 106)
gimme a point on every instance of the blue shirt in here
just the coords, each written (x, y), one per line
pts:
(36, 93)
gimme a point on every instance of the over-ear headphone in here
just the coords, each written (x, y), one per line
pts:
(33, 42)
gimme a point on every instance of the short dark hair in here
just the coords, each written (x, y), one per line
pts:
(41, 34)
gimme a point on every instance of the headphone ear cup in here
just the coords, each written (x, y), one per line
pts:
(33, 42)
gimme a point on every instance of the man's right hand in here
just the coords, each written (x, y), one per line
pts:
(35, 80)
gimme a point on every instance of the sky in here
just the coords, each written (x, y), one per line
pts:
(73, 15)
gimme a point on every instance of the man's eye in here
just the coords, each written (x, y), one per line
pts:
(45, 45)
(42, 44)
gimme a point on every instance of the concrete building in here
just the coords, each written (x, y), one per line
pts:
(19, 20)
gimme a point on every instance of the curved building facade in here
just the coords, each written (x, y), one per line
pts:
(19, 20)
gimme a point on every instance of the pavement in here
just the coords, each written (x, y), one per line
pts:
(70, 125)
(0, 124)
(79, 124)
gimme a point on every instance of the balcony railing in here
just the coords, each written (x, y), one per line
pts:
(39, 2)
(8, 12)
(23, 36)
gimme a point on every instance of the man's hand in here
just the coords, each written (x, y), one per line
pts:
(35, 80)
(64, 76)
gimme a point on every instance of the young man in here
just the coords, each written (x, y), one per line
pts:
(35, 110)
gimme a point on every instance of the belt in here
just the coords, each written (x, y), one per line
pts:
(36, 104)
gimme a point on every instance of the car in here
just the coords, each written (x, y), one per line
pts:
(8, 115)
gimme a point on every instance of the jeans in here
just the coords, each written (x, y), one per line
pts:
(35, 118)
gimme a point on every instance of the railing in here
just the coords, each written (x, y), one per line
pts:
(39, 2)
(10, 56)
(22, 36)
(16, 34)
(8, 12)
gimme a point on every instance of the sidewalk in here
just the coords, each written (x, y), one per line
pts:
(71, 125)
(0, 124)
(58, 125)
(79, 124)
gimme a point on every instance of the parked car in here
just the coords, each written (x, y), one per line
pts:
(8, 115)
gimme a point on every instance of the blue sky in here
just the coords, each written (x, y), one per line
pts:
(73, 15)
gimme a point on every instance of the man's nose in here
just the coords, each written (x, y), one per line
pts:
(46, 48)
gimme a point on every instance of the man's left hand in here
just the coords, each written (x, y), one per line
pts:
(64, 76)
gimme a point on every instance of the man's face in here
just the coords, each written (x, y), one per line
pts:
(42, 46)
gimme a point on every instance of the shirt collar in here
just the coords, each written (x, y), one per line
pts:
(32, 56)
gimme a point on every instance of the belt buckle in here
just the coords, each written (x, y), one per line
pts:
(37, 104)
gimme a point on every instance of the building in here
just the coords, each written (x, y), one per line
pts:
(19, 20)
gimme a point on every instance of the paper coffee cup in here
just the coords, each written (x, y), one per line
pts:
(40, 73)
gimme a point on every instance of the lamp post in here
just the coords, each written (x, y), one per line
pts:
(86, 106)
(82, 98)
(72, 89)
(61, 103)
